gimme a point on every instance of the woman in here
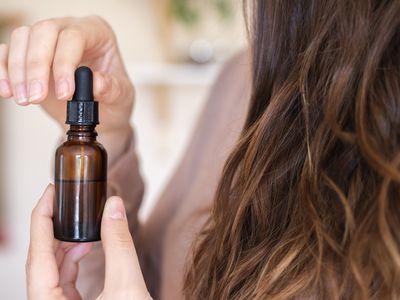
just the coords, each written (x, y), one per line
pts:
(306, 204)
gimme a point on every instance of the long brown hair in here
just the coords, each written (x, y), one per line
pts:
(308, 205)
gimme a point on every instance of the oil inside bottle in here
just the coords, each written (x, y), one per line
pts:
(80, 204)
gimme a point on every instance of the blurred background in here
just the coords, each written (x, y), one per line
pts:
(173, 50)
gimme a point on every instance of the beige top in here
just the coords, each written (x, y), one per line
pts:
(163, 242)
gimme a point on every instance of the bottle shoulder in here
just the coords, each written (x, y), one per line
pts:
(72, 147)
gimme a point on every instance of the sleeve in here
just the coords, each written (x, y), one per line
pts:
(124, 180)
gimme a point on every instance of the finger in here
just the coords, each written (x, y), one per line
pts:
(5, 88)
(42, 272)
(108, 88)
(60, 251)
(105, 87)
(122, 267)
(68, 55)
(89, 34)
(16, 63)
(59, 256)
(70, 267)
(40, 54)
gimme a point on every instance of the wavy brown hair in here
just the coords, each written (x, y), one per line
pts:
(308, 205)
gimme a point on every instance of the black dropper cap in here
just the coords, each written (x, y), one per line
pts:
(82, 109)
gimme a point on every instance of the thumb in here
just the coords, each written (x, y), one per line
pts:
(108, 88)
(123, 275)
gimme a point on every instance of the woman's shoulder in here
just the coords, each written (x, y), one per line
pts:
(235, 70)
(233, 84)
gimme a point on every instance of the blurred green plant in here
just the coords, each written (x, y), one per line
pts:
(189, 13)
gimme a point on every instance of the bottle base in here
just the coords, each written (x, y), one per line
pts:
(77, 240)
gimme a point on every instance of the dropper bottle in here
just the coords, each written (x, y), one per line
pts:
(80, 168)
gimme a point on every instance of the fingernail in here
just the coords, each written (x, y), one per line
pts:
(5, 88)
(115, 209)
(20, 93)
(35, 90)
(62, 89)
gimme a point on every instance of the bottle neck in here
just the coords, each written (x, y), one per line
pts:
(85, 133)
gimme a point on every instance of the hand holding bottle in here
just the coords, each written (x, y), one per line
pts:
(52, 266)
(38, 64)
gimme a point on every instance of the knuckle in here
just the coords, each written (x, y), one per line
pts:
(61, 66)
(72, 34)
(125, 244)
(34, 63)
(45, 27)
(118, 91)
(20, 31)
(106, 27)
(129, 91)
(124, 241)
(15, 64)
(98, 19)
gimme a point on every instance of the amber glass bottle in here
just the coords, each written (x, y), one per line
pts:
(80, 169)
